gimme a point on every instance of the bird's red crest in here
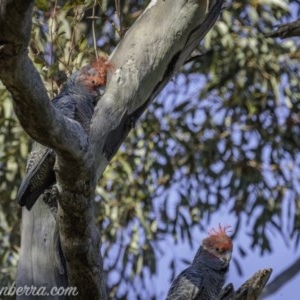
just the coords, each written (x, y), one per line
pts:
(94, 75)
(220, 231)
(218, 238)
(102, 66)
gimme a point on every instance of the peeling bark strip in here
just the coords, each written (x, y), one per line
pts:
(152, 51)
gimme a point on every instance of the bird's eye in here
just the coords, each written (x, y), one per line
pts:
(220, 250)
(93, 82)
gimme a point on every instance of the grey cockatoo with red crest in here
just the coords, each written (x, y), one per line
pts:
(76, 101)
(204, 279)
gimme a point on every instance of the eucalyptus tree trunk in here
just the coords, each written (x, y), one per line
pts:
(60, 244)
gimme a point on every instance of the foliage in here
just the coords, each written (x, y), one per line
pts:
(224, 132)
(12, 154)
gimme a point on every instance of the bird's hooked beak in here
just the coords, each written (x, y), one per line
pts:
(227, 256)
(98, 93)
(101, 90)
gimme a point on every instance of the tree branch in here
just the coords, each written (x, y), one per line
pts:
(81, 244)
(250, 290)
(145, 60)
(282, 278)
(286, 30)
(32, 106)
(254, 286)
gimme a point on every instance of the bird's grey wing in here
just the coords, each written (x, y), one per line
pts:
(39, 171)
(77, 107)
(39, 175)
(186, 286)
(66, 104)
(84, 112)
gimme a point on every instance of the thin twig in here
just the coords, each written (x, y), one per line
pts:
(53, 15)
(119, 15)
(93, 29)
(72, 40)
(107, 19)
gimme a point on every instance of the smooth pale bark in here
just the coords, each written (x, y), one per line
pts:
(42, 248)
(151, 52)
